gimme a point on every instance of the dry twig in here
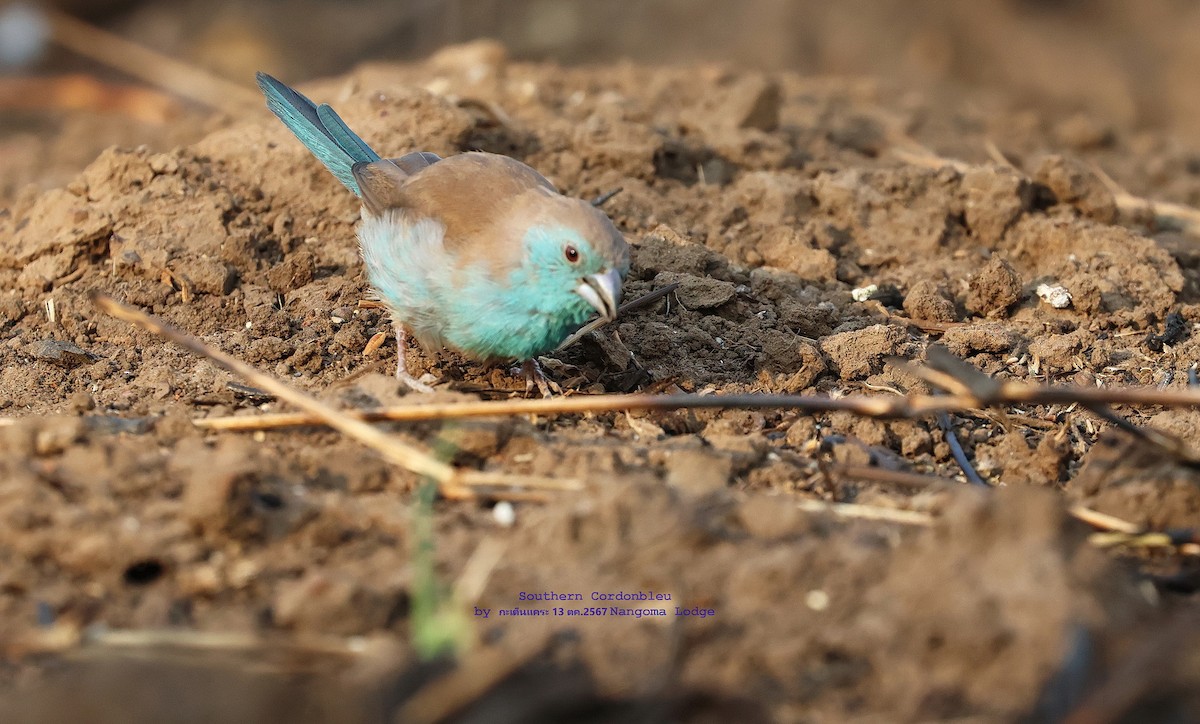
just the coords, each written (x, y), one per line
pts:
(452, 483)
(150, 66)
(1165, 215)
(889, 407)
(876, 474)
(473, 678)
(392, 449)
(1118, 532)
(81, 92)
(867, 512)
(1103, 521)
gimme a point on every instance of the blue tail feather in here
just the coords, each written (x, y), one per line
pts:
(320, 129)
(344, 137)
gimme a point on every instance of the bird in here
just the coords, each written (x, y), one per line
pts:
(476, 252)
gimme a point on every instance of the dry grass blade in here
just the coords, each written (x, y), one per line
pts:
(956, 376)
(152, 67)
(1103, 521)
(473, 678)
(477, 571)
(867, 512)
(1115, 532)
(485, 478)
(1139, 540)
(392, 449)
(1166, 444)
(874, 474)
(924, 325)
(918, 155)
(1165, 215)
(78, 91)
(219, 641)
(155, 643)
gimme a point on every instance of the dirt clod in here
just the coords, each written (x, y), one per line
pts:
(926, 301)
(994, 198)
(1059, 351)
(1074, 184)
(995, 288)
(295, 272)
(697, 292)
(860, 353)
(985, 337)
(788, 249)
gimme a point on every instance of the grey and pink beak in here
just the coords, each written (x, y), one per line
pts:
(602, 291)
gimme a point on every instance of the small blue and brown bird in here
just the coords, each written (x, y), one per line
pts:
(476, 252)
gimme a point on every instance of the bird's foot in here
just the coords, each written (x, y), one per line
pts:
(536, 376)
(411, 382)
(402, 373)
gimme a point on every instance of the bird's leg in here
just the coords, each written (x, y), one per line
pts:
(402, 373)
(535, 375)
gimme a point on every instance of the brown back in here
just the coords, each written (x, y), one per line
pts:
(486, 202)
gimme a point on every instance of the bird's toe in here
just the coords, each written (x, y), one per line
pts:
(535, 376)
(412, 383)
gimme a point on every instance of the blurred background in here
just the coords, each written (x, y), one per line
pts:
(1132, 64)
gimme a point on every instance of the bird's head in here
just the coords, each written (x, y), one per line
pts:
(578, 258)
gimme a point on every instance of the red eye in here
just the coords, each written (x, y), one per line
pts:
(571, 253)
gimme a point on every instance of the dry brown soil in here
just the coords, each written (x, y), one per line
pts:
(769, 198)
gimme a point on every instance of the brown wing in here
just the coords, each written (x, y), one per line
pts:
(471, 192)
(410, 163)
(380, 182)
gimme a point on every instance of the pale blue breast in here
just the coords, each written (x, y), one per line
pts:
(521, 321)
(403, 256)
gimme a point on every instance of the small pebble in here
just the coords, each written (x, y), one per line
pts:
(61, 353)
(862, 294)
(504, 513)
(81, 402)
(1054, 295)
(817, 600)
